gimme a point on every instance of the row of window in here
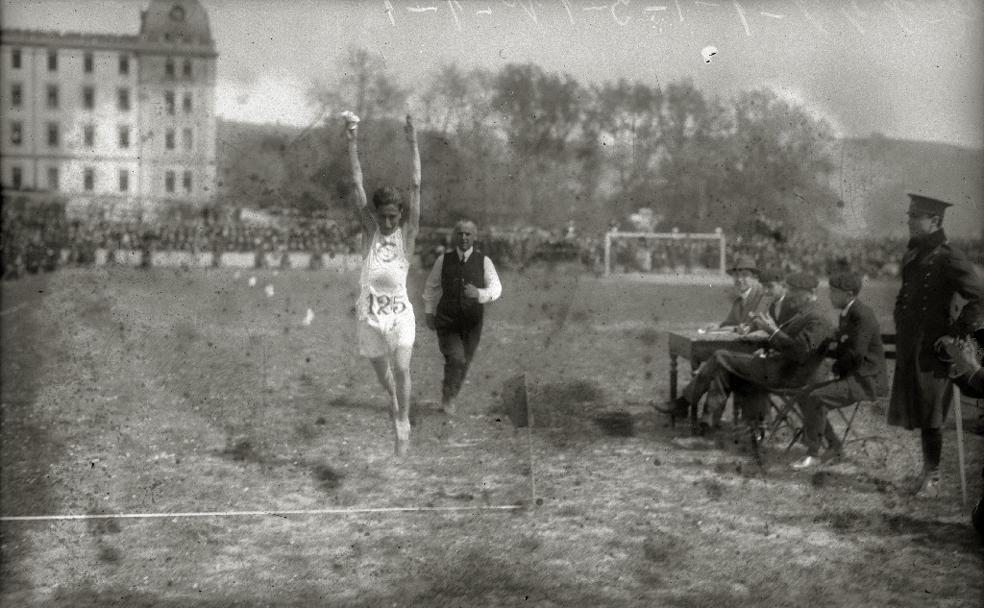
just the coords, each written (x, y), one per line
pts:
(88, 63)
(169, 68)
(89, 179)
(89, 98)
(89, 136)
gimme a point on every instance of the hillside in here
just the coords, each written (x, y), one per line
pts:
(877, 173)
(872, 176)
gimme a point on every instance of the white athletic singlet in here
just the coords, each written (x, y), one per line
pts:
(383, 300)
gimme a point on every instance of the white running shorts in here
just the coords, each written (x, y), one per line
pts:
(375, 342)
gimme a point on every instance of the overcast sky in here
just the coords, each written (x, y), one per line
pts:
(906, 69)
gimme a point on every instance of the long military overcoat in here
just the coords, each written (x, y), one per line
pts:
(933, 272)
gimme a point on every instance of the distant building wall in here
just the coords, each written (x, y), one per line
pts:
(123, 121)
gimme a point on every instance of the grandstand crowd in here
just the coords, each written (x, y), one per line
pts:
(871, 257)
(45, 239)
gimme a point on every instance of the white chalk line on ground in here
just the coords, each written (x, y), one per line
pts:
(83, 516)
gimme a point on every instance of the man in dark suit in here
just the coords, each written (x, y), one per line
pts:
(749, 296)
(774, 284)
(749, 301)
(790, 358)
(461, 282)
(859, 366)
(933, 272)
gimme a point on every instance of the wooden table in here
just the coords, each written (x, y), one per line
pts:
(698, 347)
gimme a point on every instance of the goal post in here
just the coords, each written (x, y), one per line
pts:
(665, 253)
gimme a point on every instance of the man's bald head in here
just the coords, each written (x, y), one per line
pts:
(470, 225)
(464, 234)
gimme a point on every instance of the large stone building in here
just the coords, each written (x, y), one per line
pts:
(126, 122)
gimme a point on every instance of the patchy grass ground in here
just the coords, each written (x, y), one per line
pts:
(175, 391)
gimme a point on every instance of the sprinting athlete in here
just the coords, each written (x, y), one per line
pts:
(386, 325)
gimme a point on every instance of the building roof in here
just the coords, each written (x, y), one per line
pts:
(175, 21)
(167, 26)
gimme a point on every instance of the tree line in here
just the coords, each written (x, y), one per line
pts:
(525, 146)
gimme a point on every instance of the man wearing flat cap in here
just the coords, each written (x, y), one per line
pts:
(859, 368)
(749, 295)
(933, 272)
(791, 358)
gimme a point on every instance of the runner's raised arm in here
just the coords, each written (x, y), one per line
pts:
(413, 212)
(366, 217)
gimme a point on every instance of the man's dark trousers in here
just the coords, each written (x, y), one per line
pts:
(458, 345)
(828, 396)
(458, 318)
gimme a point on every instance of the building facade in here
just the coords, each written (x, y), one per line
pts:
(125, 123)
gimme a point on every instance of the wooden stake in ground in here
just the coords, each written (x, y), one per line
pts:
(960, 449)
(516, 399)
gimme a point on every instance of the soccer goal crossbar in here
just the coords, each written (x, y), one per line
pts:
(680, 243)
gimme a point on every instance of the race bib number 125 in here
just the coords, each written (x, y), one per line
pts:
(380, 305)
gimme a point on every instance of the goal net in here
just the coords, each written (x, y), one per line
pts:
(664, 253)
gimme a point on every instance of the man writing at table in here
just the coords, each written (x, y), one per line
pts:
(790, 358)
(749, 297)
(749, 301)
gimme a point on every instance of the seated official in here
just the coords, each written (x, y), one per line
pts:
(749, 300)
(859, 368)
(773, 283)
(791, 358)
(749, 297)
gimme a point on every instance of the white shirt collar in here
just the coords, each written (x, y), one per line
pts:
(847, 308)
(464, 255)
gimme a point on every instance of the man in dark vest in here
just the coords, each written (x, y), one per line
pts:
(461, 282)
(933, 272)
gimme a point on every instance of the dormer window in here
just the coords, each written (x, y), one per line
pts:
(177, 13)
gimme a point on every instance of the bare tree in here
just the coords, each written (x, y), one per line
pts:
(363, 86)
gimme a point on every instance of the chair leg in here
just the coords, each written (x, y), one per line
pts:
(796, 435)
(787, 415)
(849, 422)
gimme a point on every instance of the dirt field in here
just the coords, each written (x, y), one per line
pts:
(180, 391)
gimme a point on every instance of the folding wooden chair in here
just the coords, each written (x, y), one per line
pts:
(786, 416)
(848, 420)
(888, 342)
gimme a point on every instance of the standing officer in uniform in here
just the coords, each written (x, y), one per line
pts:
(461, 282)
(933, 271)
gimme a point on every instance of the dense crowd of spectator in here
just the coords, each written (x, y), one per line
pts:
(46, 239)
(871, 257)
